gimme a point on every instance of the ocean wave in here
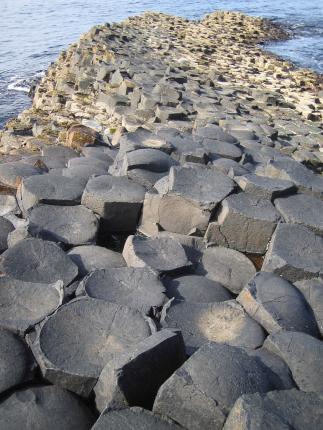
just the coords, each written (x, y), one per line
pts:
(21, 85)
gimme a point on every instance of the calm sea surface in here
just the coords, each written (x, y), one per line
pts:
(33, 32)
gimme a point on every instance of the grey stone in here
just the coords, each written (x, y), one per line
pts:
(214, 132)
(196, 289)
(134, 377)
(148, 159)
(36, 260)
(83, 173)
(266, 187)
(144, 177)
(244, 223)
(277, 305)
(49, 189)
(222, 149)
(73, 345)
(99, 152)
(138, 288)
(226, 266)
(59, 151)
(24, 304)
(44, 407)
(161, 254)
(90, 162)
(193, 245)
(312, 289)
(143, 138)
(6, 228)
(16, 361)
(92, 257)
(227, 166)
(302, 209)
(115, 199)
(201, 393)
(72, 225)
(8, 204)
(11, 174)
(283, 410)
(303, 355)
(295, 253)
(135, 419)
(224, 322)
(305, 180)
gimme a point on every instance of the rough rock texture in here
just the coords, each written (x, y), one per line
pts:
(289, 409)
(312, 290)
(201, 393)
(74, 344)
(44, 407)
(265, 187)
(277, 305)
(133, 378)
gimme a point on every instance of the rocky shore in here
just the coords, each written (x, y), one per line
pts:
(161, 244)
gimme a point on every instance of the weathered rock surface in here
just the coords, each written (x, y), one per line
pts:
(117, 200)
(161, 254)
(138, 288)
(40, 261)
(201, 393)
(245, 223)
(224, 322)
(135, 418)
(295, 253)
(72, 225)
(265, 187)
(285, 410)
(73, 345)
(24, 304)
(226, 266)
(6, 228)
(16, 361)
(277, 305)
(312, 290)
(11, 174)
(196, 289)
(44, 407)
(8, 204)
(91, 257)
(303, 355)
(133, 378)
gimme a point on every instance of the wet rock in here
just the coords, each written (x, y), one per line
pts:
(72, 225)
(115, 199)
(24, 304)
(303, 355)
(225, 322)
(49, 189)
(6, 228)
(16, 361)
(73, 345)
(135, 418)
(277, 305)
(11, 174)
(134, 377)
(302, 209)
(91, 257)
(201, 393)
(226, 266)
(196, 289)
(44, 407)
(161, 254)
(245, 223)
(312, 290)
(295, 253)
(276, 410)
(138, 288)
(36, 260)
(265, 187)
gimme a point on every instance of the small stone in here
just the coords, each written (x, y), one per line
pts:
(200, 394)
(277, 305)
(73, 345)
(91, 257)
(225, 322)
(44, 407)
(72, 225)
(283, 410)
(161, 254)
(295, 253)
(133, 378)
(138, 288)
(115, 199)
(304, 356)
(228, 267)
(39, 261)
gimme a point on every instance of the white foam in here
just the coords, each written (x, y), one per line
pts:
(20, 85)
